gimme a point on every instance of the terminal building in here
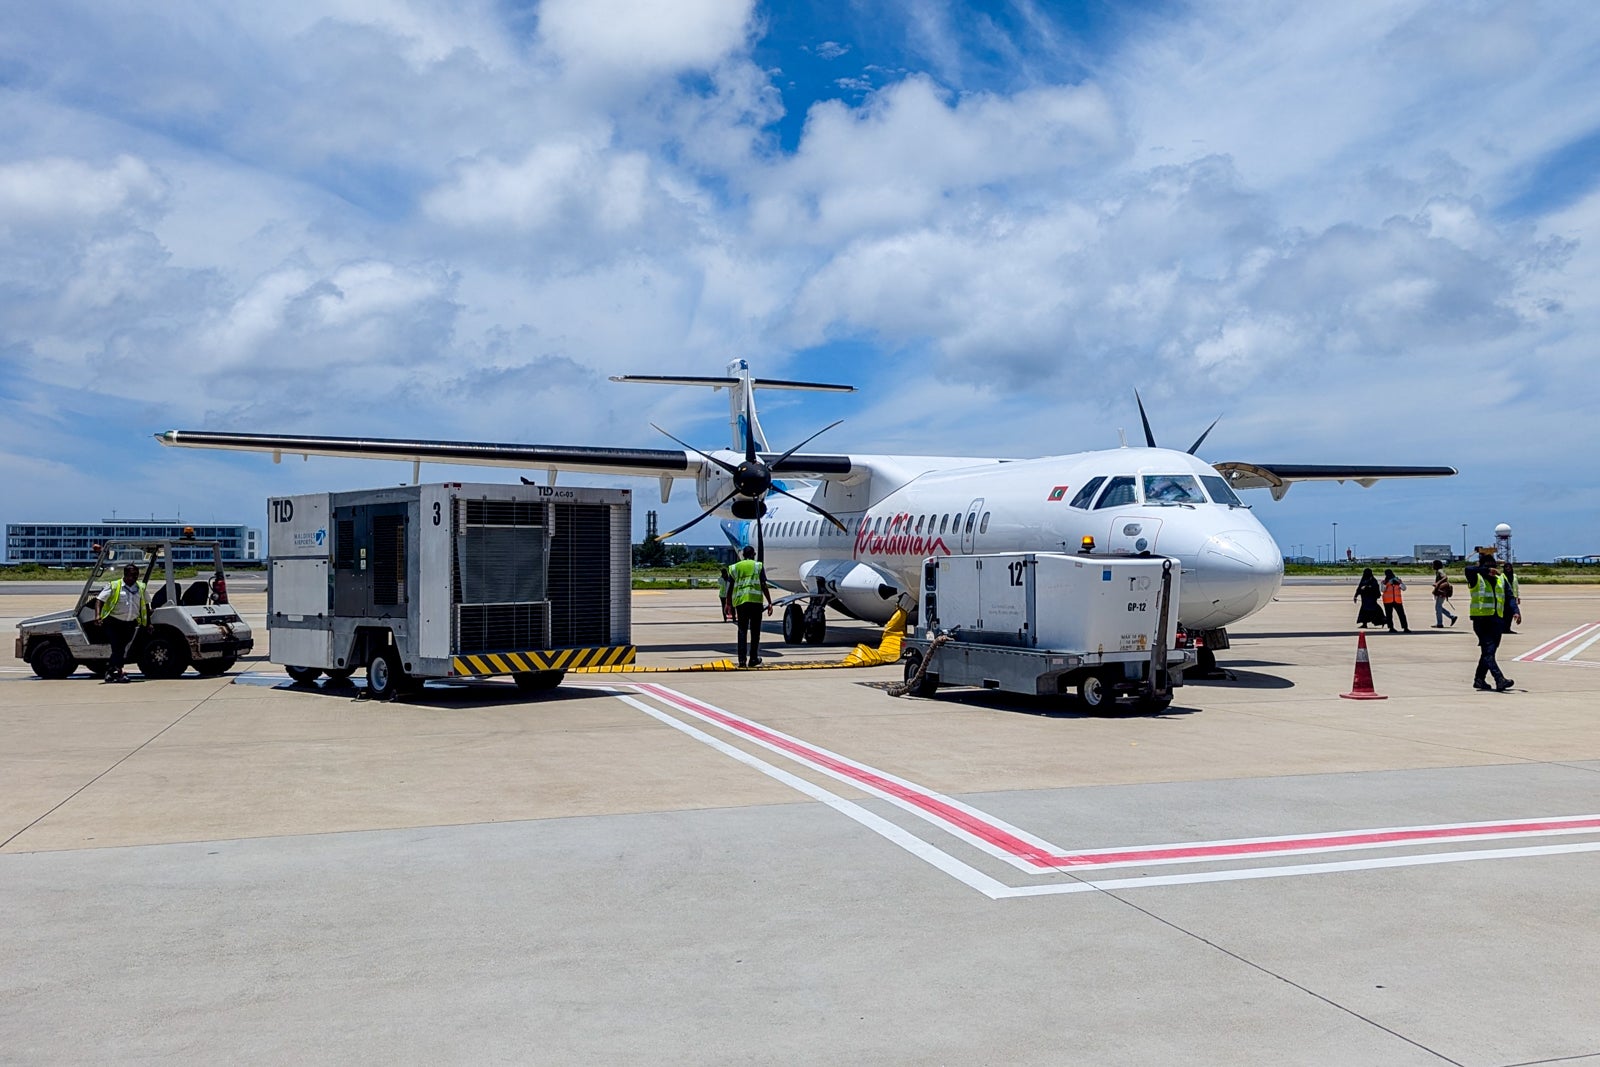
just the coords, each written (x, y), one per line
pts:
(66, 544)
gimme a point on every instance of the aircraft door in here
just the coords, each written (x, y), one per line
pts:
(1134, 534)
(969, 526)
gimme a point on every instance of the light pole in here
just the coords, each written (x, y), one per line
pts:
(1463, 540)
(1334, 555)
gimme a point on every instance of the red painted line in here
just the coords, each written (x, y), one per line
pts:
(1040, 857)
(1551, 646)
(944, 812)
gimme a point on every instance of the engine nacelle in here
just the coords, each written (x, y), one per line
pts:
(859, 589)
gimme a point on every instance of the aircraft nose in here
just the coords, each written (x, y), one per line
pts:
(1237, 573)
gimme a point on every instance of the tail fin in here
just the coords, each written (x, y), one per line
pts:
(738, 383)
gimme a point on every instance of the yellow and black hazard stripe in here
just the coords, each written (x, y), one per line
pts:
(484, 664)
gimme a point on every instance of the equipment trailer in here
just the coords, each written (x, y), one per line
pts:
(1047, 623)
(450, 580)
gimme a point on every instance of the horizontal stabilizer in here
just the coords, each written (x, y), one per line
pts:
(724, 383)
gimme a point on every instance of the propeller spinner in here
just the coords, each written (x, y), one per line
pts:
(752, 481)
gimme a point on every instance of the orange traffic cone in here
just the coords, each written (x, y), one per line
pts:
(1361, 688)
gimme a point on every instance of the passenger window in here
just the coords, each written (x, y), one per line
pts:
(944, 522)
(919, 524)
(1119, 491)
(983, 527)
(972, 517)
(1086, 494)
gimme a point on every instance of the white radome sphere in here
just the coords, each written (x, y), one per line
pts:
(1503, 530)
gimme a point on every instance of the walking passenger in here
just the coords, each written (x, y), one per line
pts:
(1442, 591)
(1368, 591)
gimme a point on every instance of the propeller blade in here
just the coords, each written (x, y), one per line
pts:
(820, 511)
(697, 518)
(724, 464)
(1196, 446)
(803, 444)
(1149, 438)
(761, 544)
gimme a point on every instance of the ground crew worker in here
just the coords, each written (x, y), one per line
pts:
(749, 587)
(1394, 601)
(1511, 608)
(124, 609)
(725, 593)
(1488, 593)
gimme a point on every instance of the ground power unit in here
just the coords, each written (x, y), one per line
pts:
(1046, 623)
(449, 580)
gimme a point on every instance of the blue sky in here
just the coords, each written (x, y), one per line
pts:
(1360, 233)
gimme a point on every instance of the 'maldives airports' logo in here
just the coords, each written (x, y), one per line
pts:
(311, 540)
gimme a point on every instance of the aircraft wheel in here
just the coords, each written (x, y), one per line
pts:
(816, 630)
(538, 681)
(53, 659)
(385, 677)
(1095, 693)
(794, 624)
(930, 681)
(339, 677)
(304, 675)
(165, 655)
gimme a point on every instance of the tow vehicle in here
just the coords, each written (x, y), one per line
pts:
(190, 626)
(1047, 623)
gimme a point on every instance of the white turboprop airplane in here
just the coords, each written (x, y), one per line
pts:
(852, 531)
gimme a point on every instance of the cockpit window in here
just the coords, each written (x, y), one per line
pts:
(1119, 491)
(1172, 489)
(1220, 490)
(1087, 493)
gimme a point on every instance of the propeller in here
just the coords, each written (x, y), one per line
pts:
(752, 480)
(1150, 438)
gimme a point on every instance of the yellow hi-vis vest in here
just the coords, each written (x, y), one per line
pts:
(116, 594)
(1486, 596)
(746, 576)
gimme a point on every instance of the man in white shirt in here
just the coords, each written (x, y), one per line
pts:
(124, 608)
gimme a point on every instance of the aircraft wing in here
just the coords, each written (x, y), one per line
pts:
(641, 462)
(1279, 476)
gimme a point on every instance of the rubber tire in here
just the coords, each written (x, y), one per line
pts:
(212, 668)
(1152, 705)
(386, 679)
(96, 667)
(303, 675)
(340, 677)
(930, 681)
(53, 660)
(1095, 694)
(794, 624)
(816, 632)
(538, 681)
(163, 656)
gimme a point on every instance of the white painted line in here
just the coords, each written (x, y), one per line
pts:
(1538, 654)
(1592, 639)
(996, 890)
(945, 862)
(1297, 870)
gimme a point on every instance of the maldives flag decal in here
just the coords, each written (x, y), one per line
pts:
(1058, 493)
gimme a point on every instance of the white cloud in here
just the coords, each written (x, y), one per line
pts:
(53, 191)
(642, 38)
